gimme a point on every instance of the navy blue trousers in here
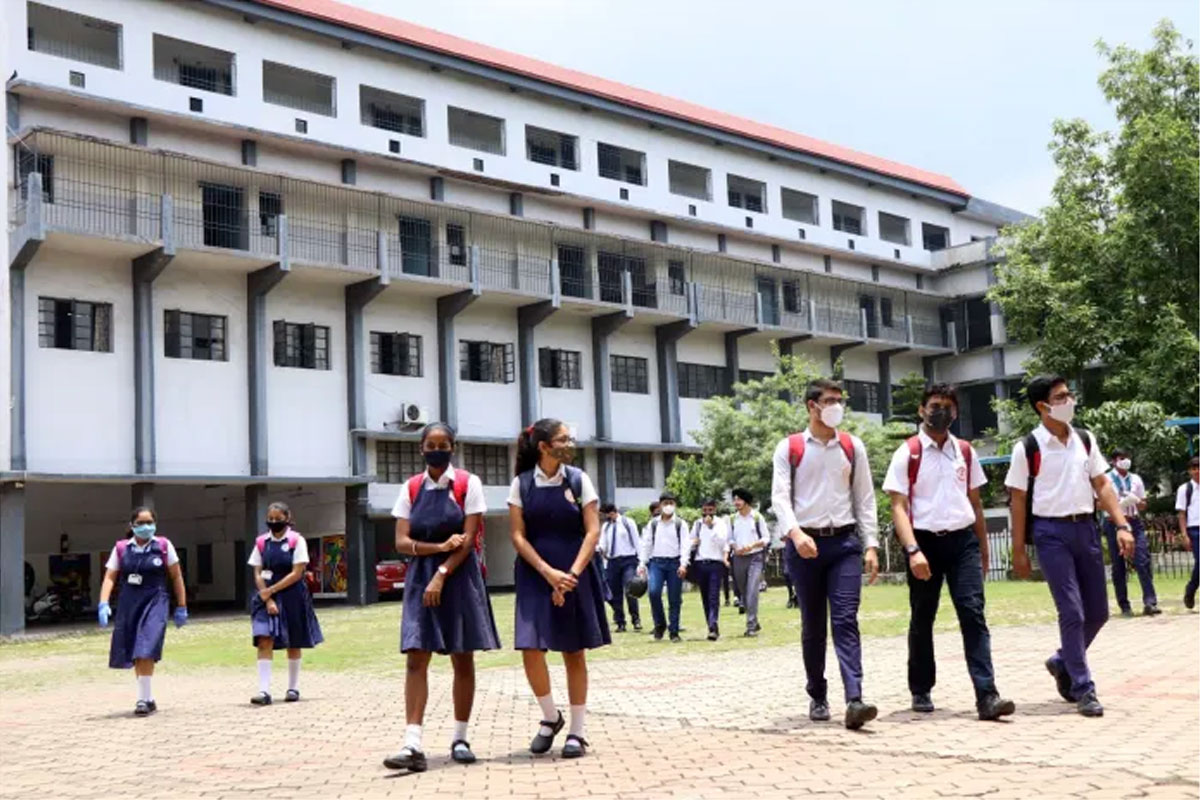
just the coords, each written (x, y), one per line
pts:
(618, 572)
(1141, 563)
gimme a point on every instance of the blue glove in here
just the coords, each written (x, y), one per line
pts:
(104, 613)
(180, 617)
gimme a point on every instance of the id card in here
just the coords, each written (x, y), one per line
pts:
(267, 574)
(135, 579)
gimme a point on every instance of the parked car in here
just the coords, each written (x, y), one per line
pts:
(389, 576)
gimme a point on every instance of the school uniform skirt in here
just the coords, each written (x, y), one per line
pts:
(295, 627)
(462, 623)
(139, 627)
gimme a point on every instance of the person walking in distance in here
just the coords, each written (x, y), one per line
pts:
(1056, 477)
(707, 550)
(822, 495)
(660, 561)
(748, 542)
(934, 480)
(1131, 495)
(619, 543)
(1187, 506)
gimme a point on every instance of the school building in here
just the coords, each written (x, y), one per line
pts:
(253, 246)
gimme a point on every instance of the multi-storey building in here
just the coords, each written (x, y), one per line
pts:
(254, 245)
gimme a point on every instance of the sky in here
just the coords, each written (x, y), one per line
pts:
(967, 89)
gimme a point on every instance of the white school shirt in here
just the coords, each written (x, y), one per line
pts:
(660, 539)
(619, 539)
(1064, 482)
(557, 479)
(299, 554)
(114, 562)
(744, 532)
(824, 497)
(1181, 503)
(714, 541)
(473, 503)
(1130, 485)
(939, 498)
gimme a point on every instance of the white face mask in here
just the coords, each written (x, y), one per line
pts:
(667, 510)
(1063, 412)
(832, 415)
(1124, 463)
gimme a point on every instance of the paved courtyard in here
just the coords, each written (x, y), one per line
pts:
(683, 726)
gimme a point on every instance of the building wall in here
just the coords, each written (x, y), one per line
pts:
(393, 312)
(577, 407)
(487, 409)
(635, 417)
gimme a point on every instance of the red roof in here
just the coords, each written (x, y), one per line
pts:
(429, 39)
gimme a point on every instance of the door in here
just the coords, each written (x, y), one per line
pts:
(769, 298)
(224, 214)
(610, 266)
(416, 246)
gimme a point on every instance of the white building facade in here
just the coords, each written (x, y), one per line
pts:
(254, 245)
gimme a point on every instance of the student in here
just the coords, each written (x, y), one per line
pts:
(934, 481)
(619, 546)
(822, 495)
(1131, 495)
(709, 538)
(660, 561)
(560, 594)
(446, 605)
(1187, 504)
(143, 563)
(748, 542)
(1061, 467)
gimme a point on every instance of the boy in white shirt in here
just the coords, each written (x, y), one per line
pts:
(1187, 503)
(1131, 494)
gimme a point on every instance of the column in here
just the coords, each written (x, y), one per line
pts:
(602, 328)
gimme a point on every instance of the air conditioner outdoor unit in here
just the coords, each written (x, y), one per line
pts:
(413, 414)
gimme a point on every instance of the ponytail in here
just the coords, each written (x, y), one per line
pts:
(528, 453)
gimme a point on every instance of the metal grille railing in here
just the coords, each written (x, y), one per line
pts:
(78, 37)
(297, 88)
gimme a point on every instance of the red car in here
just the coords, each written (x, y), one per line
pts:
(389, 577)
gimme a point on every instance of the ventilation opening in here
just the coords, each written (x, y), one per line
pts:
(77, 79)
(193, 65)
(393, 145)
(749, 222)
(624, 194)
(692, 210)
(801, 232)
(299, 89)
(554, 179)
(850, 243)
(301, 125)
(195, 104)
(479, 165)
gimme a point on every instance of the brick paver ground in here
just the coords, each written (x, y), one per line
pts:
(732, 725)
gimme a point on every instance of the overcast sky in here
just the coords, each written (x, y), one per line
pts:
(967, 89)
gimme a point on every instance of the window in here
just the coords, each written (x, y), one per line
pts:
(416, 246)
(193, 65)
(29, 162)
(634, 470)
(270, 206)
(456, 244)
(486, 362)
(559, 369)
(612, 266)
(74, 325)
(301, 345)
(894, 229)
(849, 219)
(747, 193)
(701, 381)
(885, 312)
(396, 462)
(866, 304)
(934, 237)
(390, 111)
(551, 147)
(862, 396)
(791, 297)
(200, 337)
(621, 164)
(768, 300)
(748, 375)
(476, 131)
(800, 206)
(300, 89)
(630, 374)
(66, 34)
(396, 354)
(677, 277)
(573, 272)
(490, 463)
(224, 214)
(979, 323)
(689, 180)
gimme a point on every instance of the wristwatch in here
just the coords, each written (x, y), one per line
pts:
(912, 549)
(443, 571)
(1125, 527)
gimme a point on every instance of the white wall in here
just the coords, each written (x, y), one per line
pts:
(965, 367)
(576, 407)
(392, 312)
(699, 347)
(635, 417)
(488, 409)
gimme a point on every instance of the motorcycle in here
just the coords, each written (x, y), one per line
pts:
(56, 604)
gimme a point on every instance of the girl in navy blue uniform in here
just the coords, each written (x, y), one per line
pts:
(281, 614)
(143, 564)
(560, 595)
(446, 605)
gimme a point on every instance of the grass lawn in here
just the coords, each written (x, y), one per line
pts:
(366, 640)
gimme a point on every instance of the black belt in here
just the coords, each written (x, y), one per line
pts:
(939, 534)
(1089, 516)
(844, 530)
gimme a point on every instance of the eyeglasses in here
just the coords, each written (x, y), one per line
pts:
(566, 439)
(1062, 397)
(831, 401)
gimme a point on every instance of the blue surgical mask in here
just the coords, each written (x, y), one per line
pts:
(144, 531)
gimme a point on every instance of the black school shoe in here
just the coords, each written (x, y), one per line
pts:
(574, 746)
(992, 707)
(658, 632)
(542, 744)
(409, 759)
(1089, 706)
(922, 703)
(1061, 679)
(858, 714)
(676, 638)
(460, 751)
(144, 708)
(292, 696)
(714, 633)
(818, 711)
(621, 628)
(1189, 600)
(1151, 610)
(261, 699)
(637, 625)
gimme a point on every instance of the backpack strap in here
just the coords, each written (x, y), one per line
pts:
(462, 481)
(968, 454)
(1033, 462)
(525, 486)
(164, 546)
(915, 451)
(1086, 436)
(574, 476)
(260, 542)
(414, 487)
(123, 544)
(795, 456)
(1189, 494)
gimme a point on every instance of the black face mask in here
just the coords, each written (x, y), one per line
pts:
(277, 526)
(939, 419)
(438, 459)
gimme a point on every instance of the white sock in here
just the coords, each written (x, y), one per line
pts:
(460, 732)
(412, 737)
(144, 688)
(264, 675)
(293, 674)
(549, 713)
(578, 718)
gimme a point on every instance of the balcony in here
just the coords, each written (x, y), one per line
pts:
(969, 253)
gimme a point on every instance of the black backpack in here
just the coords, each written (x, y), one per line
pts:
(1033, 461)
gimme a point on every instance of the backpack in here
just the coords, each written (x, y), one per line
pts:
(163, 545)
(1189, 496)
(796, 454)
(678, 532)
(915, 452)
(260, 543)
(1033, 460)
(462, 480)
(630, 529)
(574, 481)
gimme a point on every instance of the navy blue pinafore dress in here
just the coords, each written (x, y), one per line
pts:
(142, 608)
(554, 526)
(295, 626)
(464, 622)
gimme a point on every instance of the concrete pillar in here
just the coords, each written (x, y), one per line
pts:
(141, 494)
(258, 285)
(349, 171)
(437, 189)
(448, 307)
(12, 558)
(254, 516)
(27, 240)
(732, 360)
(358, 295)
(602, 329)
(516, 204)
(145, 270)
(139, 131)
(835, 353)
(360, 548)
(529, 317)
(666, 338)
(885, 379)
(249, 153)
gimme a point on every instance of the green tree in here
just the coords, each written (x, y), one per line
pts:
(906, 398)
(1108, 273)
(691, 482)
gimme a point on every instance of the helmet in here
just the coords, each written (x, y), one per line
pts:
(637, 587)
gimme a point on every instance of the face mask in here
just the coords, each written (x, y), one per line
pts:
(145, 530)
(563, 453)
(1063, 412)
(832, 415)
(667, 510)
(277, 526)
(438, 459)
(1124, 463)
(939, 419)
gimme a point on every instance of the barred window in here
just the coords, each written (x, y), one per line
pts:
(396, 354)
(677, 277)
(630, 374)
(559, 369)
(634, 470)
(74, 325)
(396, 462)
(486, 362)
(862, 396)
(200, 337)
(29, 162)
(791, 297)
(302, 345)
(747, 375)
(490, 463)
(701, 381)
(456, 244)
(270, 206)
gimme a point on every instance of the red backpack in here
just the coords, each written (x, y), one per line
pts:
(796, 453)
(915, 451)
(462, 480)
(261, 542)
